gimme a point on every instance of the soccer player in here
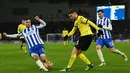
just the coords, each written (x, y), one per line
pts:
(86, 37)
(106, 39)
(0, 36)
(21, 27)
(31, 35)
(64, 33)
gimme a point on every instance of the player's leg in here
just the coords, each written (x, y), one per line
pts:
(113, 50)
(116, 51)
(42, 41)
(44, 60)
(35, 56)
(21, 46)
(67, 43)
(84, 44)
(24, 46)
(72, 59)
(42, 54)
(110, 45)
(99, 45)
(77, 51)
(64, 43)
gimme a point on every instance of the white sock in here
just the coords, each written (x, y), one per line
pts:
(40, 64)
(99, 52)
(118, 52)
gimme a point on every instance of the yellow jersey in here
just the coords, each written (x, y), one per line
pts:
(0, 36)
(83, 24)
(64, 33)
(20, 28)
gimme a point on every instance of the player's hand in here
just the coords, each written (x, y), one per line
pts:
(66, 37)
(37, 18)
(100, 26)
(4, 34)
(100, 32)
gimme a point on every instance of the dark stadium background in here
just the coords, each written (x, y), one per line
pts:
(54, 12)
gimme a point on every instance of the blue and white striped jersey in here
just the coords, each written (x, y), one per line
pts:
(105, 22)
(31, 35)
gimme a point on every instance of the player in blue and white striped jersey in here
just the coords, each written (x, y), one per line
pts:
(106, 38)
(33, 40)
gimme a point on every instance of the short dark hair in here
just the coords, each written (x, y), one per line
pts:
(71, 11)
(100, 11)
(27, 18)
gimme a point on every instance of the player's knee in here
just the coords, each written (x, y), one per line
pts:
(98, 47)
(74, 51)
(24, 45)
(35, 57)
(79, 52)
(112, 50)
(43, 59)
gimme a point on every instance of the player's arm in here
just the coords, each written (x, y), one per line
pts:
(18, 30)
(86, 21)
(12, 35)
(63, 33)
(72, 31)
(109, 25)
(42, 23)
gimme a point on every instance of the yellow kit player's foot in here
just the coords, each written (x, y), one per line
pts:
(66, 69)
(25, 53)
(89, 67)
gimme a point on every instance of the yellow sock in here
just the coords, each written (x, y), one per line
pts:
(84, 58)
(24, 48)
(64, 42)
(71, 61)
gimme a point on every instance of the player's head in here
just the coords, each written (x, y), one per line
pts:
(23, 21)
(28, 22)
(73, 14)
(100, 14)
(64, 28)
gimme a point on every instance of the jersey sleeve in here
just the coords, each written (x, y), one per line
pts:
(72, 31)
(37, 25)
(108, 25)
(108, 22)
(20, 34)
(93, 25)
(18, 30)
(83, 19)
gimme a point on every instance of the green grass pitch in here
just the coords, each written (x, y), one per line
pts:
(13, 60)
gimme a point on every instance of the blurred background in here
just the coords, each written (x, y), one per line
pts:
(54, 13)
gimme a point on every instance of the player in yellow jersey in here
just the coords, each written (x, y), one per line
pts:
(0, 36)
(64, 33)
(86, 37)
(20, 28)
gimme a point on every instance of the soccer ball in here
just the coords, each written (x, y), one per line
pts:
(50, 65)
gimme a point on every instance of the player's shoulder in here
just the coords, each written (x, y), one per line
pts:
(81, 17)
(36, 24)
(106, 18)
(20, 25)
